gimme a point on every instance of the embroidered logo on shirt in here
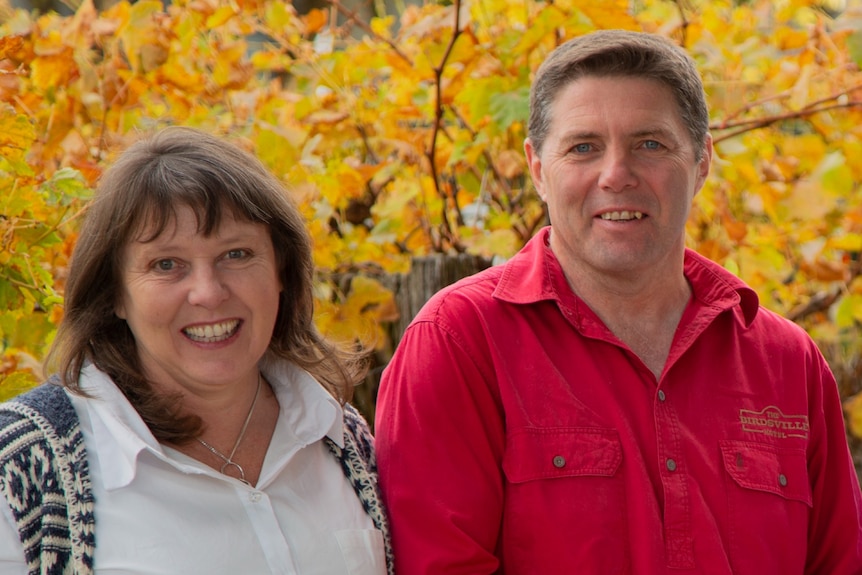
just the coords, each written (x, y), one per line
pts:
(771, 421)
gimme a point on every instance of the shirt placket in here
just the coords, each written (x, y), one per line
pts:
(672, 467)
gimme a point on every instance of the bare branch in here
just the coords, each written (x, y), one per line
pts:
(355, 19)
(438, 124)
(744, 126)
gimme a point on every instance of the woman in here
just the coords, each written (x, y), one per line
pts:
(198, 422)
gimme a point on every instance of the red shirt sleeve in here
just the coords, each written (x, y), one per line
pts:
(432, 386)
(835, 532)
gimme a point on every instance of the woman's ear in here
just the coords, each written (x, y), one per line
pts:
(120, 309)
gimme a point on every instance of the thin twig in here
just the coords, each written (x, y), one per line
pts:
(355, 19)
(438, 123)
(755, 124)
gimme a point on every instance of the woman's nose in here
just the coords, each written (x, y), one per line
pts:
(206, 287)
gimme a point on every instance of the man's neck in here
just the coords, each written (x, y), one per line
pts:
(642, 310)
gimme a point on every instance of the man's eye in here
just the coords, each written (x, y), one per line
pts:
(652, 145)
(582, 148)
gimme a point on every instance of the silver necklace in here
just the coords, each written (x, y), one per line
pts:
(228, 459)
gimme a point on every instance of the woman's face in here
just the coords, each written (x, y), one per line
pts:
(201, 309)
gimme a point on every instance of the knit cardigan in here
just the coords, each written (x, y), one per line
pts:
(45, 479)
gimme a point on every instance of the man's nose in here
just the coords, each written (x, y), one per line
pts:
(617, 172)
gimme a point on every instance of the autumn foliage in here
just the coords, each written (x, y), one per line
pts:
(401, 135)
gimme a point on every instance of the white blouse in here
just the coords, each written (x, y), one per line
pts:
(159, 511)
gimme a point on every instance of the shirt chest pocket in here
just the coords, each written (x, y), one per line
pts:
(546, 453)
(769, 469)
(565, 484)
(769, 500)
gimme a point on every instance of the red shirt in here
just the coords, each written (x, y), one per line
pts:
(516, 434)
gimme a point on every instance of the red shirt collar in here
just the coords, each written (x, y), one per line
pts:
(534, 274)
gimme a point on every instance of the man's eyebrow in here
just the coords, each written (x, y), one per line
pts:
(572, 137)
(654, 131)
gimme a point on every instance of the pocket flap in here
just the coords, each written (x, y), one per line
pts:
(543, 453)
(782, 471)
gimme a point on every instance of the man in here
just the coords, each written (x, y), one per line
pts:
(607, 401)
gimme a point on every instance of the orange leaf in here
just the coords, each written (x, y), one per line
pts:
(10, 46)
(314, 21)
(824, 270)
(54, 70)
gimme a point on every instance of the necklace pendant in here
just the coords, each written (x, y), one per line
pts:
(228, 459)
(230, 464)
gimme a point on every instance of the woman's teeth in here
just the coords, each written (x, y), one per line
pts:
(212, 332)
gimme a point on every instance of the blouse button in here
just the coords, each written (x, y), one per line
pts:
(559, 461)
(254, 497)
(671, 465)
(782, 480)
(661, 395)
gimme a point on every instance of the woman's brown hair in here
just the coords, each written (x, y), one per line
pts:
(141, 191)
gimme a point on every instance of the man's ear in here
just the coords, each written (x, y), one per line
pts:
(704, 164)
(534, 163)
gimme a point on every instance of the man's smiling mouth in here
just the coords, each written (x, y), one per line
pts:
(623, 216)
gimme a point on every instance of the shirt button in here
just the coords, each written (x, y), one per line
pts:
(782, 480)
(254, 497)
(661, 395)
(559, 461)
(671, 465)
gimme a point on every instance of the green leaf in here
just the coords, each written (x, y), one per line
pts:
(510, 107)
(65, 186)
(854, 47)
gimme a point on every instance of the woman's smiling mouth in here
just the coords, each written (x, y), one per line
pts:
(212, 333)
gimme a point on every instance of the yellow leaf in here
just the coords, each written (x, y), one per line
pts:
(280, 16)
(368, 296)
(220, 16)
(853, 409)
(610, 14)
(851, 242)
(53, 70)
(790, 38)
(382, 26)
(139, 30)
(808, 200)
(16, 133)
(16, 383)
(500, 243)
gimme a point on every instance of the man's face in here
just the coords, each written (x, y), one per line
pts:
(618, 171)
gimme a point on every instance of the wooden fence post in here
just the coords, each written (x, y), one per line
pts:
(427, 276)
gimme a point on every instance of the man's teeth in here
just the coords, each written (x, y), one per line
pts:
(624, 215)
(212, 332)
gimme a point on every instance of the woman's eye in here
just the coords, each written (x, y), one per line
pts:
(165, 265)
